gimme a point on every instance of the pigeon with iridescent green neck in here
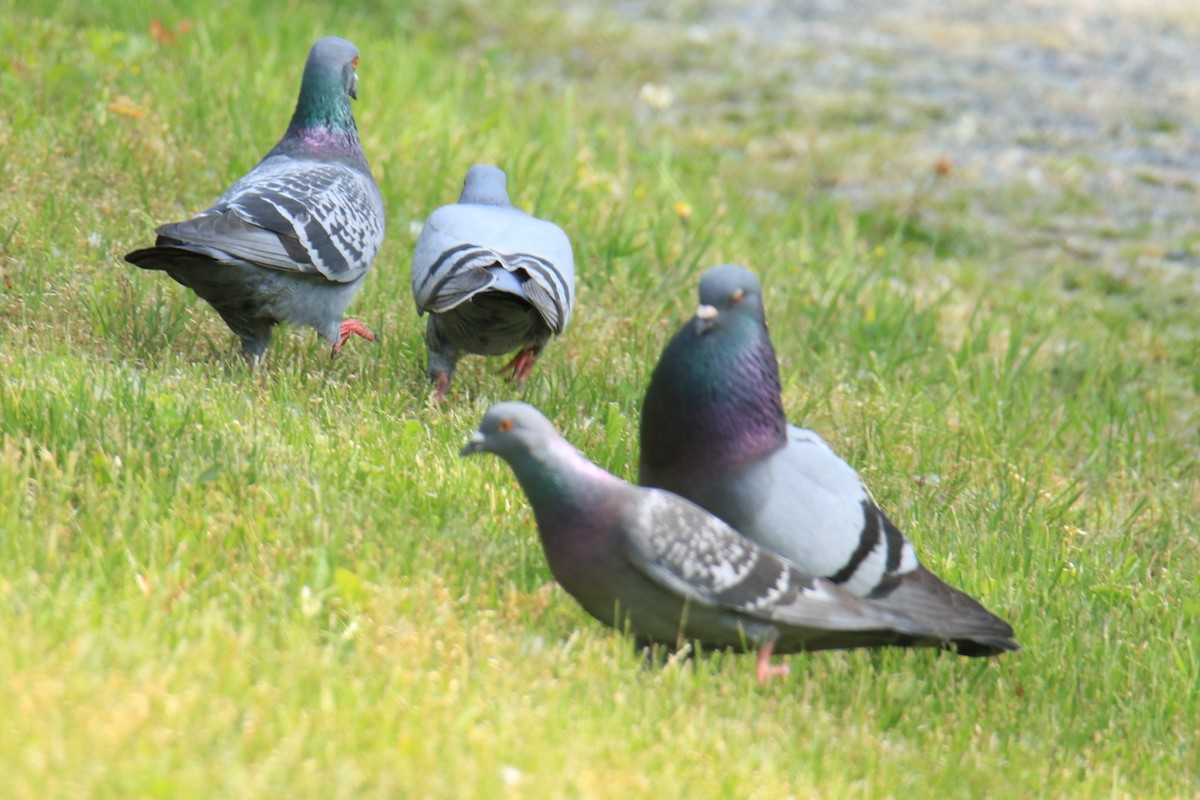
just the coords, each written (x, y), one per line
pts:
(293, 239)
(714, 431)
(650, 562)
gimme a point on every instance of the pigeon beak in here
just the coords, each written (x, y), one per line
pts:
(474, 444)
(354, 86)
(706, 318)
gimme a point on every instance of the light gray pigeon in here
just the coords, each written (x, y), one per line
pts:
(670, 571)
(714, 431)
(292, 240)
(493, 279)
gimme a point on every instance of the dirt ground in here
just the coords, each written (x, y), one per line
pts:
(1071, 125)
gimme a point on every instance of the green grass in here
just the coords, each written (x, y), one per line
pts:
(214, 584)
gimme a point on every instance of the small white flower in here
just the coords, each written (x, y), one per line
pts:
(656, 96)
(511, 776)
(310, 604)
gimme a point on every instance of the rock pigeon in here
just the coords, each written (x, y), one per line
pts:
(713, 430)
(292, 240)
(493, 279)
(651, 562)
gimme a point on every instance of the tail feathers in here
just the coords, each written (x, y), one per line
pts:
(458, 288)
(152, 257)
(946, 613)
(546, 304)
(978, 647)
(172, 256)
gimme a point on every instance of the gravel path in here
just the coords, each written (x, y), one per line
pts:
(1073, 125)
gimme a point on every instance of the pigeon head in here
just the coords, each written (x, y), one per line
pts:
(510, 430)
(323, 116)
(557, 479)
(714, 396)
(725, 291)
(485, 186)
(332, 68)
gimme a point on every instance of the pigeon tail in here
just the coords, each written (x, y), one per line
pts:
(955, 616)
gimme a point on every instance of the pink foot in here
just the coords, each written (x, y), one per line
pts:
(766, 670)
(352, 327)
(521, 365)
(440, 386)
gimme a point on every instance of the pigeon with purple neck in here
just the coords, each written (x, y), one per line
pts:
(292, 240)
(713, 430)
(652, 563)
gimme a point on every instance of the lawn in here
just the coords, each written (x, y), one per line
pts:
(288, 584)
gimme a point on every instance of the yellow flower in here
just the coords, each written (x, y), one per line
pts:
(127, 108)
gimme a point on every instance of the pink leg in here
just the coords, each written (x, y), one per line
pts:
(521, 365)
(441, 385)
(765, 669)
(352, 327)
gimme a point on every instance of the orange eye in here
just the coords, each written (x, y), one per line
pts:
(737, 296)
(354, 63)
(505, 425)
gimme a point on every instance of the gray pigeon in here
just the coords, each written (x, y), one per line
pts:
(670, 571)
(493, 279)
(292, 240)
(714, 431)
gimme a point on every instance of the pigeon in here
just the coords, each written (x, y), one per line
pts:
(493, 279)
(292, 240)
(713, 430)
(648, 561)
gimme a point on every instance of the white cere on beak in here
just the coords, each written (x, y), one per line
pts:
(706, 318)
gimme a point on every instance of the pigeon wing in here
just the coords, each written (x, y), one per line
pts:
(325, 219)
(693, 553)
